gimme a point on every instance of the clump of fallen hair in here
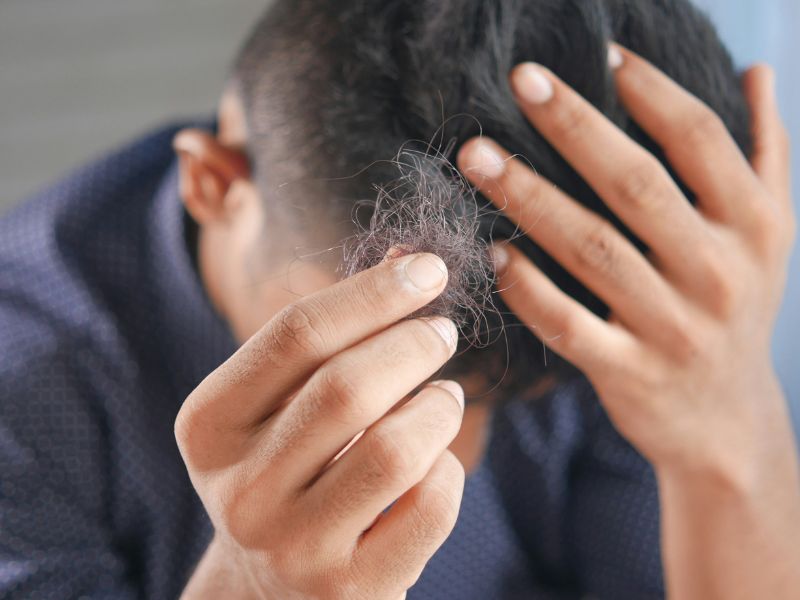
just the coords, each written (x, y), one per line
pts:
(430, 208)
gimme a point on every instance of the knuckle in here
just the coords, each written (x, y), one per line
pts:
(569, 121)
(444, 416)
(703, 127)
(685, 341)
(241, 506)
(334, 587)
(405, 578)
(356, 579)
(299, 328)
(233, 517)
(340, 392)
(648, 375)
(291, 565)
(563, 336)
(531, 191)
(642, 186)
(437, 511)
(190, 433)
(596, 250)
(766, 228)
(453, 473)
(390, 463)
(372, 291)
(185, 430)
(721, 289)
(428, 341)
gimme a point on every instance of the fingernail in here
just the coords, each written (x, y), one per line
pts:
(453, 388)
(532, 84)
(487, 161)
(499, 259)
(427, 272)
(446, 329)
(615, 58)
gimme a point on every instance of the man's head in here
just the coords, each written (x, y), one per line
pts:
(325, 93)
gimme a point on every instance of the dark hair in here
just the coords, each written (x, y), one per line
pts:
(332, 86)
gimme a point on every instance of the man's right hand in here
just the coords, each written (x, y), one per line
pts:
(263, 439)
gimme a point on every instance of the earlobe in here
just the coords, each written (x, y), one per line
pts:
(207, 171)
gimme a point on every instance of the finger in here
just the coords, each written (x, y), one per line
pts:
(771, 153)
(559, 321)
(349, 393)
(392, 456)
(694, 139)
(585, 244)
(404, 539)
(290, 347)
(630, 180)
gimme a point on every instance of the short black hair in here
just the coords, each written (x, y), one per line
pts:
(340, 84)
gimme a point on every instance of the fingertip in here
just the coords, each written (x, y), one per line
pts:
(480, 156)
(615, 57)
(500, 258)
(466, 150)
(182, 142)
(453, 389)
(446, 329)
(759, 85)
(762, 69)
(771, 148)
(532, 83)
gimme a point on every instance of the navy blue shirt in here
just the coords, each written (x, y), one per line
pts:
(105, 328)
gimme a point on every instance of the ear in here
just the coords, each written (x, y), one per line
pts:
(207, 171)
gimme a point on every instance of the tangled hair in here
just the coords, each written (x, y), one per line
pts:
(333, 88)
(430, 208)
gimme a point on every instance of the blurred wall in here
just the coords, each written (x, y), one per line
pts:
(79, 76)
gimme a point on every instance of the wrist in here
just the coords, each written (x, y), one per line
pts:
(726, 535)
(219, 575)
(743, 448)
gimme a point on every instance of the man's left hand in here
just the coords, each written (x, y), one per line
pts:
(683, 364)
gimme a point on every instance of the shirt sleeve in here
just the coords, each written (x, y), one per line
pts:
(55, 538)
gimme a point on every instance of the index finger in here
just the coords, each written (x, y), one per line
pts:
(253, 382)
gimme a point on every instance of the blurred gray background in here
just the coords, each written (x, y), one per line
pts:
(80, 76)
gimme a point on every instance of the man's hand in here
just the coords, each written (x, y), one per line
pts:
(683, 365)
(263, 439)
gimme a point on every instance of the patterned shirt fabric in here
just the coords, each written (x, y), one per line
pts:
(105, 329)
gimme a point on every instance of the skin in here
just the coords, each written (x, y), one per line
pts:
(683, 366)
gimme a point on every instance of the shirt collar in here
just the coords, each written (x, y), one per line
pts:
(196, 338)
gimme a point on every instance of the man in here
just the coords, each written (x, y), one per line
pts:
(112, 322)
